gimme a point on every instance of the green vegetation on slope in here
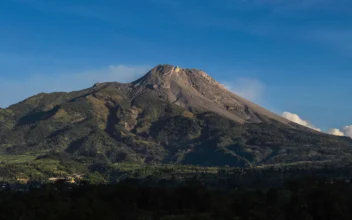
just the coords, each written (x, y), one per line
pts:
(119, 123)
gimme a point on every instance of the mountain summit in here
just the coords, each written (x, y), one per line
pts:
(194, 89)
(170, 115)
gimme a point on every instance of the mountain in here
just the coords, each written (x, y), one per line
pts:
(171, 115)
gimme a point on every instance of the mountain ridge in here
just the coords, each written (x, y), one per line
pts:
(170, 115)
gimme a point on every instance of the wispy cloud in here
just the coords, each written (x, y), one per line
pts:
(284, 6)
(340, 40)
(291, 19)
(251, 89)
(69, 81)
(94, 9)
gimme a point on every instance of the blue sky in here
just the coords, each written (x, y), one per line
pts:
(287, 55)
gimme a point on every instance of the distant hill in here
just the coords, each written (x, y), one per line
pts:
(171, 115)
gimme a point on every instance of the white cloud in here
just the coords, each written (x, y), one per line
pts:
(251, 89)
(297, 119)
(345, 131)
(34, 84)
(336, 132)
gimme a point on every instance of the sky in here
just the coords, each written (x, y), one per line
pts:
(293, 57)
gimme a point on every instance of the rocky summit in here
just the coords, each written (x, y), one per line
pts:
(170, 115)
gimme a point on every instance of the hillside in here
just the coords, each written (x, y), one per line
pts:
(171, 115)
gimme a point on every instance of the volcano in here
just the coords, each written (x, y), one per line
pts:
(170, 115)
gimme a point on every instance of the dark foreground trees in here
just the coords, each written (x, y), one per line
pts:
(300, 199)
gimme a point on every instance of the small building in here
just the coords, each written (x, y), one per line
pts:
(22, 178)
(55, 179)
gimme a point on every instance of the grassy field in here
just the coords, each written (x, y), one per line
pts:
(16, 159)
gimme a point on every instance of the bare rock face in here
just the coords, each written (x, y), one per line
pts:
(194, 89)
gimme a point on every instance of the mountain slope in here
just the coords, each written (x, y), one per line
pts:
(171, 115)
(194, 89)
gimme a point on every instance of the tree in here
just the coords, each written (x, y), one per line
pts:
(96, 178)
